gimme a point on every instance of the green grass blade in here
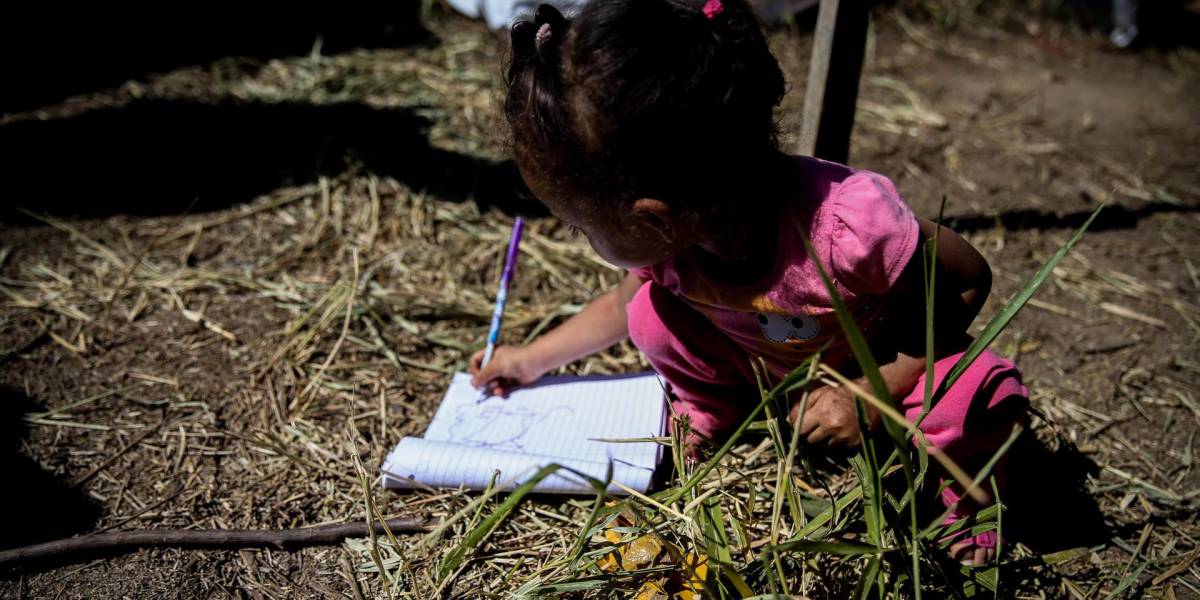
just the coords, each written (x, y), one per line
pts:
(872, 495)
(999, 535)
(712, 463)
(573, 586)
(797, 378)
(981, 522)
(976, 578)
(1128, 581)
(784, 484)
(870, 583)
(834, 548)
(624, 579)
(930, 252)
(829, 514)
(1010, 310)
(716, 540)
(597, 506)
(854, 337)
(981, 476)
(868, 466)
(485, 527)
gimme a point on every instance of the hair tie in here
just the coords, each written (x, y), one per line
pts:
(544, 32)
(712, 8)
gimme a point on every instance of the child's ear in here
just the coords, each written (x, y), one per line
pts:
(657, 215)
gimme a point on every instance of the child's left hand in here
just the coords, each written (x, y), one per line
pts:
(831, 420)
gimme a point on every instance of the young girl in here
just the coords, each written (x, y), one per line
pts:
(648, 126)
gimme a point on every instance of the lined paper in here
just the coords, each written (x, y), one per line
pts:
(565, 420)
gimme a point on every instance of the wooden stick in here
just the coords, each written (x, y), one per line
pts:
(833, 73)
(222, 539)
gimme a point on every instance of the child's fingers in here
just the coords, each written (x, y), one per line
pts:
(486, 374)
(812, 412)
(476, 360)
(794, 414)
(493, 388)
(818, 434)
(810, 422)
(499, 387)
(497, 377)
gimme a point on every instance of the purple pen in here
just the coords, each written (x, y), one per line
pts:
(510, 263)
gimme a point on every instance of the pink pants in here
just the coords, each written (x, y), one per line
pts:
(712, 379)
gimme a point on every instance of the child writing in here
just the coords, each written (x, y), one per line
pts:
(648, 126)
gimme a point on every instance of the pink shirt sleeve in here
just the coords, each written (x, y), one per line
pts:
(872, 234)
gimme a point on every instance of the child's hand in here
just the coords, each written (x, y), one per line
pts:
(510, 367)
(831, 420)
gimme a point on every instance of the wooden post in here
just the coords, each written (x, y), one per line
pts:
(833, 73)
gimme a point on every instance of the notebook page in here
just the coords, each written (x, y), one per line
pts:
(444, 464)
(561, 417)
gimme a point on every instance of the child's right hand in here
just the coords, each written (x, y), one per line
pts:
(511, 366)
(599, 325)
(831, 418)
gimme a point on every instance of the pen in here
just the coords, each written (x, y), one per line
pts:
(510, 262)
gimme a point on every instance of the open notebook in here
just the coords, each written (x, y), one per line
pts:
(563, 420)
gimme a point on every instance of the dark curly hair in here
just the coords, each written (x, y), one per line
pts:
(643, 98)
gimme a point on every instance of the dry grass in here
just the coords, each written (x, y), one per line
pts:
(246, 367)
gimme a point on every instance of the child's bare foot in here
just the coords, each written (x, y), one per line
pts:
(971, 550)
(977, 551)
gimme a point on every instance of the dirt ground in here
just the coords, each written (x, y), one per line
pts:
(230, 281)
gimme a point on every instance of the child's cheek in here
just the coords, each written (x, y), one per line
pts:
(632, 251)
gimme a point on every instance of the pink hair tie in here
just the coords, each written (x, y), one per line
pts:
(712, 8)
(544, 32)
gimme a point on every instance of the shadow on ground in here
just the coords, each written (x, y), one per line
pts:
(158, 157)
(1114, 216)
(1049, 507)
(55, 52)
(38, 505)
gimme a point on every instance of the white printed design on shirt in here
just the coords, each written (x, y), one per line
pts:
(781, 328)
